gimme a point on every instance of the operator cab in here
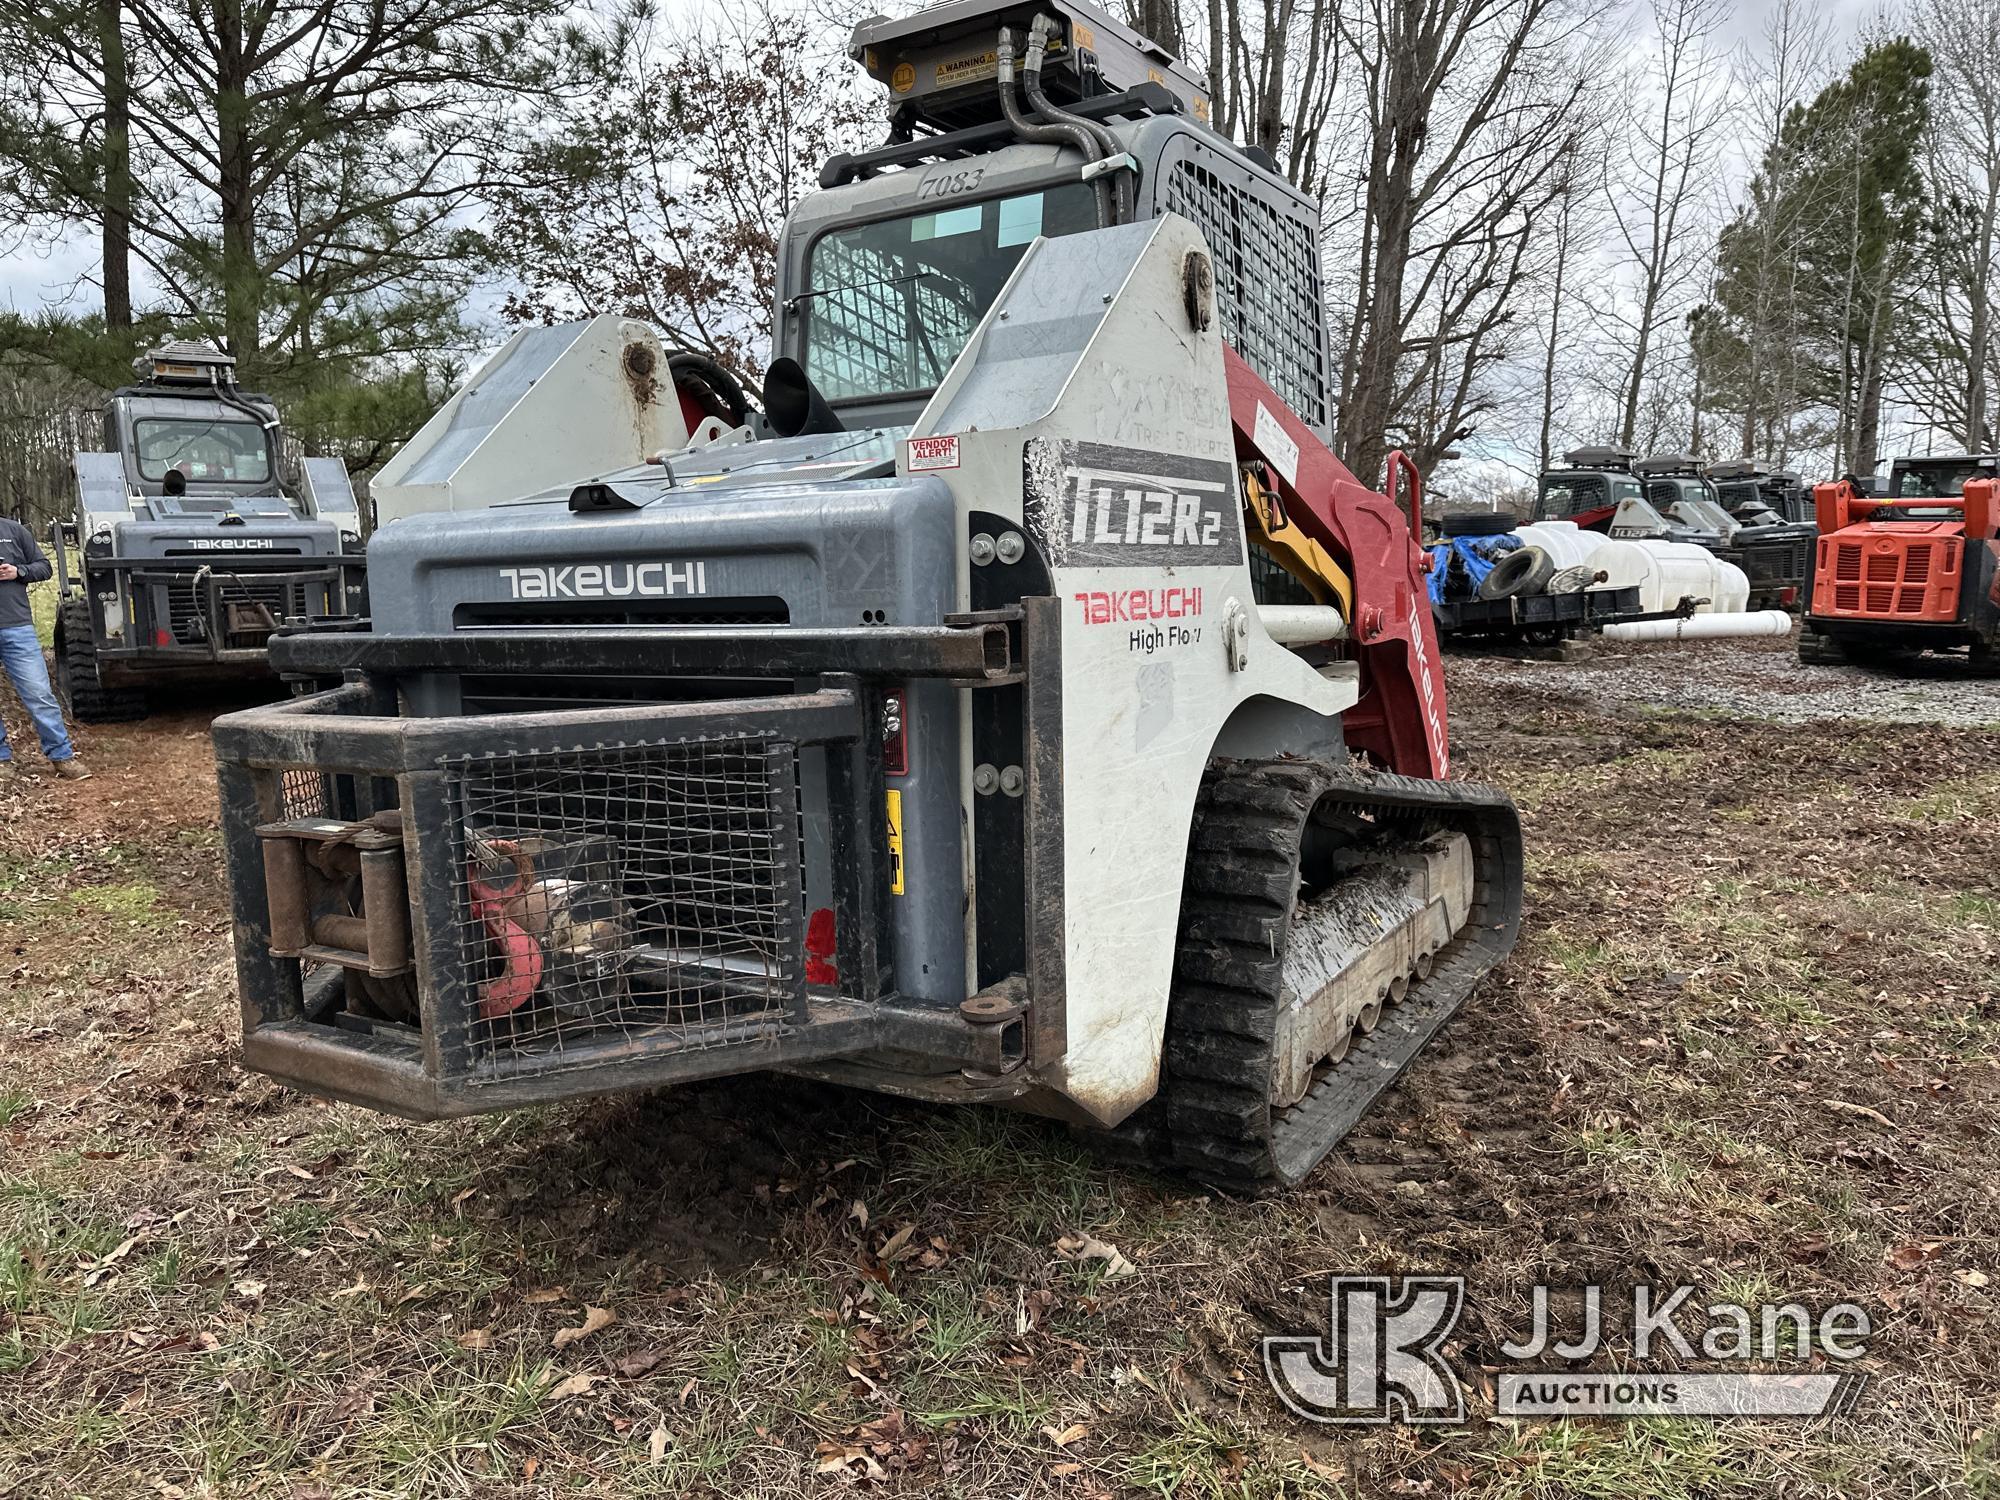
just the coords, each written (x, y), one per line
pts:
(1940, 477)
(1755, 496)
(885, 273)
(193, 445)
(1680, 492)
(1590, 487)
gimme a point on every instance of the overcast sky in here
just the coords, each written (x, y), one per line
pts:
(34, 277)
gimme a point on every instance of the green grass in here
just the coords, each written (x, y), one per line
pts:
(1970, 908)
(1005, 1403)
(136, 902)
(1207, 1457)
(699, 1452)
(950, 1320)
(42, 601)
(1049, 1180)
(1581, 957)
(1645, 1459)
(1951, 801)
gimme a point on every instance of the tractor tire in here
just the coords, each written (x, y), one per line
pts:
(85, 699)
(1816, 650)
(1477, 523)
(1525, 570)
(1253, 841)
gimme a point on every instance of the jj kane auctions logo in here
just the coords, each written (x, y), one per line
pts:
(1383, 1358)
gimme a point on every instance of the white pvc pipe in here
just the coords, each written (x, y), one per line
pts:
(1703, 627)
(1302, 624)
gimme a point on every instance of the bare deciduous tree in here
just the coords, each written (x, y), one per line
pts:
(1794, 61)
(1956, 359)
(1661, 178)
(696, 158)
(1469, 107)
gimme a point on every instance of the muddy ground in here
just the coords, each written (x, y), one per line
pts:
(1748, 1042)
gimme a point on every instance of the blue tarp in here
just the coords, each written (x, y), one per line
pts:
(1460, 564)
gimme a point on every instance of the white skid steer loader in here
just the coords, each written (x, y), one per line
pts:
(1026, 708)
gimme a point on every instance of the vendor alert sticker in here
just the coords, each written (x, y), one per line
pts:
(1385, 1356)
(932, 453)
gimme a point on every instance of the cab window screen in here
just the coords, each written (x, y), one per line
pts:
(1562, 498)
(205, 450)
(889, 305)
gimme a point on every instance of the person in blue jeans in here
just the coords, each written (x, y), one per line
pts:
(22, 563)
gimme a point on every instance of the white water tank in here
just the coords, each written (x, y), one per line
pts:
(1667, 572)
(1732, 588)
(1565, 544)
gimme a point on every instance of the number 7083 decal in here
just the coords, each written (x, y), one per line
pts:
(950, 184)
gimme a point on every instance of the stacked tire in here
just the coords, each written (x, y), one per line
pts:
(1525, 570)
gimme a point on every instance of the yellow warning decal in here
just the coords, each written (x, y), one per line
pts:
(977, 68)
(895, 843)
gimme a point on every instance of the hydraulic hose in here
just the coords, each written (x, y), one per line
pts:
(226, 393)
(727, 390)
(1039, 33)
(1052, 133)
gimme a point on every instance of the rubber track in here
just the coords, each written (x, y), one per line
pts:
(1212, 1117)
(76, 669)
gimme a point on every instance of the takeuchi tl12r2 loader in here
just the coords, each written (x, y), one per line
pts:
(1917, 570)
(1026, 709)
(190, 541)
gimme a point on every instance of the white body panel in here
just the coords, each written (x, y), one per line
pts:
(556, 406)
(1088, 408)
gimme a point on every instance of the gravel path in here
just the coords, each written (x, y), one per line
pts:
(1752, 679)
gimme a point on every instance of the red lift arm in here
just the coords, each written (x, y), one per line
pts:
(1400, 721)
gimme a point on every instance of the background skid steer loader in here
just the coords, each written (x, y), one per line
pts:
(193, 537)
(1917, 571)
(947, 732)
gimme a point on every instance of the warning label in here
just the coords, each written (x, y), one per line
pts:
(895, 843)
(977, 68)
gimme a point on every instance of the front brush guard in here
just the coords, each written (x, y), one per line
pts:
(344, 768)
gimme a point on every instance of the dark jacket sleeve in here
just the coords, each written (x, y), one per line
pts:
(35, 566)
